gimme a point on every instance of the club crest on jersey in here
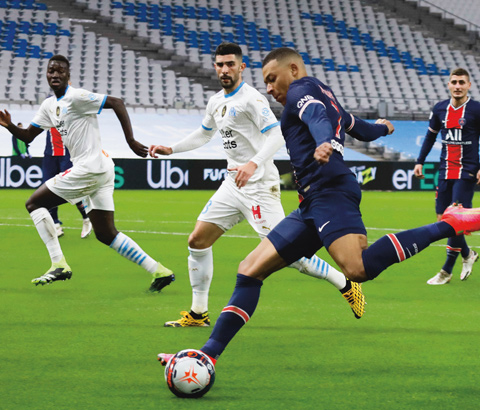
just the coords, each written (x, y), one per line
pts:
(224, 110)
(232, 112)
(462, 121)
(58, 111)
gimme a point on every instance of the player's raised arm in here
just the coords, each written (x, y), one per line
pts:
(25, 134)
(366, 131)
(122, 114)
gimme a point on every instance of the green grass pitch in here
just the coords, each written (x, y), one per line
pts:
(91, 342)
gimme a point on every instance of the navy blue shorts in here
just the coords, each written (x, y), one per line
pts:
(326, 215)
(52, 166)
(454, 190)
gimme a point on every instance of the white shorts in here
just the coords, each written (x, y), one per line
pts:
(230, 205)
(96, 190)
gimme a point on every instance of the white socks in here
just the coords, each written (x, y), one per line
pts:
(129, 249)
(200, 270)
(320, 269)
(46, 229)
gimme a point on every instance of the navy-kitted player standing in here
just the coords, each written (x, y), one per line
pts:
(457, 120)
(314, 125)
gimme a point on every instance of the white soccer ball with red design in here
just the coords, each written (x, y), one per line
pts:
(190, 373)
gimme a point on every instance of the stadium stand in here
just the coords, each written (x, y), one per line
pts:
(377, 62)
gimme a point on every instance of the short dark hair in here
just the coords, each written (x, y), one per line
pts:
(280, 54)
(460, 72)
(59, 57)
(224, 49)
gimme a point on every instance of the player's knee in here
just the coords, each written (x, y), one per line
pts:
(357, 274)
(30, 205)
(196, 241)
(104, 237)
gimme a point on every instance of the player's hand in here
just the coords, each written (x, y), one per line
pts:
(159, 149)
(387, 123)
(478, 177)
(323, 152)
(138, 148)
(244, 173)
(5, 118)
(418, 171)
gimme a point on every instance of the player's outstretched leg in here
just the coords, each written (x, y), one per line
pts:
(200, 271)
(394, 248)
(351, 291)
(129, 249)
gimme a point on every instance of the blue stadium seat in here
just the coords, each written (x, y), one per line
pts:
(25, 27)
(202, 13)
(178, 12)
(316, 61)
(317, 20)
(38, 28)
(246, 60)
(229, 37)
(329, 64)
(394, 54)
(190, 13)
(277, 41)
(305, 57)
(40, 6)
(214, 14)
(227, 20)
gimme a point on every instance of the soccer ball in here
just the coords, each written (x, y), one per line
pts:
(190, 374)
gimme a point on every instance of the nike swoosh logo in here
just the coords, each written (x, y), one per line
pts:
(323, 226)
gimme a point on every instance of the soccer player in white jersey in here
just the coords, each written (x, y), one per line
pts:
(251, 136)
(73, 112)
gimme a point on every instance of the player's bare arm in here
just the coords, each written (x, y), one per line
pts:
(478, 177)
(25, 134)
(122, 114)
(418, 171)
(387, 123)
(323, 152)
(244, 173)
(159, 149)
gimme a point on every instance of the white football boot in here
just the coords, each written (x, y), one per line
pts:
(468, 264)
(441, 278)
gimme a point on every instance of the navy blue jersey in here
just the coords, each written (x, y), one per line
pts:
(459, 129)
(312, 116)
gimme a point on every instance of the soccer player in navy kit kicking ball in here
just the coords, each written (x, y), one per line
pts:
(314, 125)
(457, 120)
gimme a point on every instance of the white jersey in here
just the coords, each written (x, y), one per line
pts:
(74, 115)
(242, 118)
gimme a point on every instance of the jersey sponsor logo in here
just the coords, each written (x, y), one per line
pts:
(256, 212)
(228, 142)
(304, 100)
(453, 135)
(337, 146)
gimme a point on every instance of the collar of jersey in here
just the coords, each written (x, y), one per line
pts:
(235, 91)
(457, 108)
(64, 94)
